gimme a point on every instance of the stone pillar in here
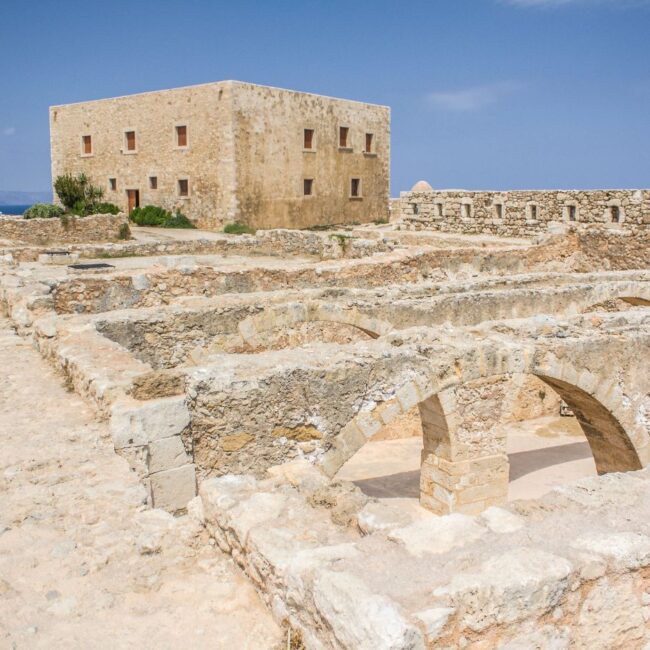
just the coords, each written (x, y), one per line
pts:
(465, 467)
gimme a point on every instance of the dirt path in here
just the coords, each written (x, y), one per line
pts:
(82, 563)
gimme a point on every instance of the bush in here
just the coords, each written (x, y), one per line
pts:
(124, 232)
(43, 211)
(238, 229)
(153, 215)
(77, 194)
(105, 208)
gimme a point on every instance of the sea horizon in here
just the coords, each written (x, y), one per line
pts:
(14, 209)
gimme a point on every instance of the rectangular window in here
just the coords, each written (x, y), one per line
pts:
(615, 212)
(181, 136)
(532, 212)
(498, 210)
(466, 210)
(183, 187)
(438, 209)
(355, 188)
(369, 138)
(87, 144)
(153, 182)
(129, 139)
(112, 183)
(308, 139)
(572, 212)
(343, 136)
(308, 186)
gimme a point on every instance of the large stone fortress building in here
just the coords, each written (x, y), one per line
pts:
(232, 151)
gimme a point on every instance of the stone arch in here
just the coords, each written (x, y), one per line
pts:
(289, 314)
(461, 477)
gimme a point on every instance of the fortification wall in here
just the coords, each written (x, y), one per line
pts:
(522, 213)
(69, 230)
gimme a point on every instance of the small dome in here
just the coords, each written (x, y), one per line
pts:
(422, 186)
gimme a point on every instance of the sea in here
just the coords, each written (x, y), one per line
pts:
(13, 209)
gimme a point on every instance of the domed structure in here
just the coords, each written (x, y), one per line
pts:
(422, 186)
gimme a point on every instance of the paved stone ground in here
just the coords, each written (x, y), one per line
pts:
(82, 562)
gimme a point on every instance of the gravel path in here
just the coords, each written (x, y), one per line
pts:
(83, 564)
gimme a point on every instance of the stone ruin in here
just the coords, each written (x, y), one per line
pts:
(244, 378)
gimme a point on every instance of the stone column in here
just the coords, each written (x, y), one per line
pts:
(465, 467)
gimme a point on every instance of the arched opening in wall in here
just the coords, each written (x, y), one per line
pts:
(305, 333)
(487, 441)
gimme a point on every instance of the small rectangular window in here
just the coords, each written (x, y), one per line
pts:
(183, 187)
(438, 209)
(308, 139)
(466, 210)
(129, 138)
(572, 212)
(343, 137)
(308, 186)
(153, 182)
(615, 212)
(498, 210)
(181, 136)
(87, 144)
(369, 138)
(355, 188)
(112, 183)
(532, 212)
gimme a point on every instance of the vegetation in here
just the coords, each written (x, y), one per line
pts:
(77, 194)
(43, 211)
(154, 215)
(124, 232)
(238, 229)
(105, 208)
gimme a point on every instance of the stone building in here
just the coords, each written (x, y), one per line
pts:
(232, 151)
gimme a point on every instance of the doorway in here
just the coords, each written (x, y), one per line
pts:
(133, 198)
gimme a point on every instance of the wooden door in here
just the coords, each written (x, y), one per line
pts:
(133, 197)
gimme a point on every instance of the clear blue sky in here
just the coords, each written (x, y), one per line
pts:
(484, 93)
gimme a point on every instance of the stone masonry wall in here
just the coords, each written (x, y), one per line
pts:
(522, 213)
(73, 230)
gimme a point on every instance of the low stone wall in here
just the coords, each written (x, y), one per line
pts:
(68, 230)
(522, 213)
(567, 571)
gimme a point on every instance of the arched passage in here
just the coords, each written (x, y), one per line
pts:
(466, 471)
(291, 314)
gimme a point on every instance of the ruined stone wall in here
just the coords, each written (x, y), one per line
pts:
(271, 162)
(522, 213)
(68, 230)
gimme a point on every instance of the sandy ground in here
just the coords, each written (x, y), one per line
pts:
(82, 563)
(543, 453)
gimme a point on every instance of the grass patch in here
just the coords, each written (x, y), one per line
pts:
(237, 228)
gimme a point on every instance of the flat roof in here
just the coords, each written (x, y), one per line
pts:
(217, 83)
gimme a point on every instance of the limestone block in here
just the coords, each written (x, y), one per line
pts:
(167, 453)
(360, 619)
(171, 489)
(381, 516)
(626, 550)
(434, 621)
(138, 423)
(499, 520)
(437, 535)
(520, 584)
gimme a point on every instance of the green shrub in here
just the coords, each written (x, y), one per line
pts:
(124, 232)
(238, 229)
(76, 193)
(105, 208)
(43, 211)
(153, 215)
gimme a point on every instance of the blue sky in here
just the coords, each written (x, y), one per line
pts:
(484, 93)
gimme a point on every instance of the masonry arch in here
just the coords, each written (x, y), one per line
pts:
(467, 474)
(292, 314)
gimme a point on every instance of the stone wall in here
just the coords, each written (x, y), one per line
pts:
(68, 230)
(244, 159)
(522, 213)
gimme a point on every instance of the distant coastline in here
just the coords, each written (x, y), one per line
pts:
(13, 209)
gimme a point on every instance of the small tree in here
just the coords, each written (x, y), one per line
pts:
(77, 194)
